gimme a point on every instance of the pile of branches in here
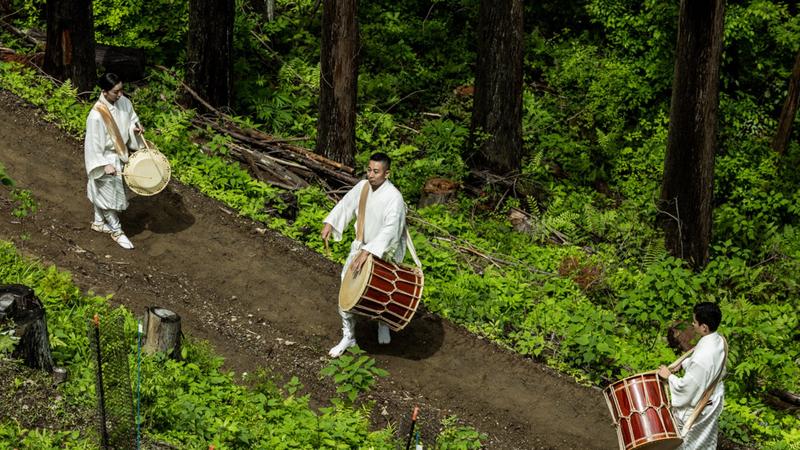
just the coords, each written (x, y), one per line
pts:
(274, 160)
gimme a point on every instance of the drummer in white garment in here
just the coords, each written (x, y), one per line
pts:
(384, 221)
(702, 369)
(104, 159)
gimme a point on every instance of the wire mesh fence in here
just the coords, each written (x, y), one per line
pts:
(110, 346)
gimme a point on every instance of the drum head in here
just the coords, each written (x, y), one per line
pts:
(353, 286)
(147, 172)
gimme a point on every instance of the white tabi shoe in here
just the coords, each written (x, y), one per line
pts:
(341, 347)
(101, 227)
(384, 335)
(123, 241)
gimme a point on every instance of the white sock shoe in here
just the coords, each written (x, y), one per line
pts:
(384, 335)
(123, 241)
(341, 347)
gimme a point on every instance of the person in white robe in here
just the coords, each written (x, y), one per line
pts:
(384, 223)
(105, 187)
(701, 369)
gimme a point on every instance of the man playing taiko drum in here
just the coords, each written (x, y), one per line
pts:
(702, 369)
(384, 222)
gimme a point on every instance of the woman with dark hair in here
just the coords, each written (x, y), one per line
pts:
(111, 129)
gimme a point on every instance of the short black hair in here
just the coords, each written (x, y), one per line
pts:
(108, 80)
(382, 158)
(708, 313)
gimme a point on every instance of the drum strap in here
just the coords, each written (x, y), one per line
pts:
(111, 126)
(362, 208)
(707, 394)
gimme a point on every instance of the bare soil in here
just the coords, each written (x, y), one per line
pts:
(263, 300)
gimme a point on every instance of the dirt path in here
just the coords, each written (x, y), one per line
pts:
(263, 300)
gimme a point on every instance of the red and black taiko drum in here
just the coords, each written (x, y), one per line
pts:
(640, 409)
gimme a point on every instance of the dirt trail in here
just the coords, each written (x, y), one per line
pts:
(263, 300)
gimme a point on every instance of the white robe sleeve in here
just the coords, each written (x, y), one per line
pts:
(345, 211)
(94, 146)
(133, 139)
(392, 222)
(700, 370)
(687, 390)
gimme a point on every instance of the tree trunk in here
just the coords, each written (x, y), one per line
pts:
(789, 111)
(336, 128)
(69, 52)
(210, 49)
(496, 129)
(19, 304)
(687, 188)
(126, 62)
(162, 329)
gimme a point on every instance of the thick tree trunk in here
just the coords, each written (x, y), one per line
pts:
(69, 52)
(126, 62)
(336, 135)
(687, 188)
(210, 49)
(496, 129)
(19, 304)
(162, 329)
(789, 111)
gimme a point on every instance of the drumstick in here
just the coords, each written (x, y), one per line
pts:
(138, 176)
(327, 249)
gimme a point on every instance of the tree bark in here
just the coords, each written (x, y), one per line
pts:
(496, 129)
(162, 329)
(686, 192)
(336, 128)
(126, 62)
(69, 52)
(209, 51)
(20, 305)
(781, 141)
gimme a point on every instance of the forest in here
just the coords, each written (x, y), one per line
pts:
(612, 163)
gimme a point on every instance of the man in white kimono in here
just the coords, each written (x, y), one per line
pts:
(105, 188)
(384, 223)
(705, 366)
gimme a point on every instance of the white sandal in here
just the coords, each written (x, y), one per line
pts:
(123, 241)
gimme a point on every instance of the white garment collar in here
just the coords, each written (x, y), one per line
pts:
(109, 105)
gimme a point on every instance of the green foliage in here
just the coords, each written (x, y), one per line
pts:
(26, 205)
(354, 373)
(191, 402)
(458, 437)
(7, 342)
(12, 436)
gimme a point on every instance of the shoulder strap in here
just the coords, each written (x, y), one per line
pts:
(707, 394)
(111, 126)
(362, 207)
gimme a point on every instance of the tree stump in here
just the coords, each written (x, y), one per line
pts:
(162, 329)
(681, 336)
(520, 220)
(20, 305)
(437, 191)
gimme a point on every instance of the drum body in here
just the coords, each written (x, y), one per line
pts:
(640, 409)
(383, 290)
(147, 172)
